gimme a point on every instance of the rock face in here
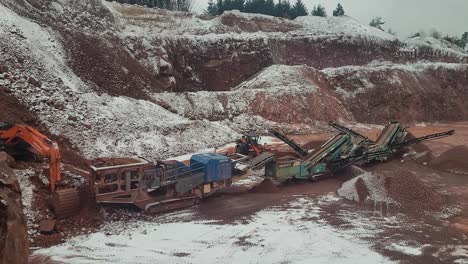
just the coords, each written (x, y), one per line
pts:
(426, 91)
(120, 80)
(14, 247)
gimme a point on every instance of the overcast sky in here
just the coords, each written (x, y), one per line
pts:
(402, 16)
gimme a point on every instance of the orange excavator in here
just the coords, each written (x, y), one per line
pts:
(25, 142)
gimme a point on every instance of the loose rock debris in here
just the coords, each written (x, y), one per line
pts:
(453, 160)
(401, 188)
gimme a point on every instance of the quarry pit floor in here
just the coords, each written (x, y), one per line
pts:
(298, 222)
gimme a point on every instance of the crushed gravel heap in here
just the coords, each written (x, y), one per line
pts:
(402, 188)
(367, 186)
(411, 193)
(266, 186)
(453, 160)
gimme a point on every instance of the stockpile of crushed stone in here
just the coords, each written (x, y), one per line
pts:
(402, 188)
(411, 193)
(367, 186)
(266, 186)
(454, 160)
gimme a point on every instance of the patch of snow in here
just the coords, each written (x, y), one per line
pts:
(406, 249)
(386, 70)
(99, 125)
(27, 193)
(377, 66)
(279, 79)
(273, 81)
(254, 177)
(341, 25)
(272, 235)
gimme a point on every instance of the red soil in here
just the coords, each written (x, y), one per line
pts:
(453, 160)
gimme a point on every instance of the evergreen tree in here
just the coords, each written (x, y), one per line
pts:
(339, 11)
(460, 42)
(220, 6)
(269, 8)
(299, 9)
(238, 5)
(255, 6)
(436, 34)
(283, 9)
(319, 10)
(249, 6)
(377, 23)
(227, 5)
(464, 40)
(212, 8)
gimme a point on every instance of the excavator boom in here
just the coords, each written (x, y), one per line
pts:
(41, 145)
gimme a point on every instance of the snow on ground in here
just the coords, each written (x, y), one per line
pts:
(341, 25)
(27, 193)
(273, 81)
(280, 79)
(99, 125)
(146, 22)
(253, 178)
(409, 250)
(377, 66)
(387, 71)
(273, 235)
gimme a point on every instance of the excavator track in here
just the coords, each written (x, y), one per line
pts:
(171, 204)
(66, 202)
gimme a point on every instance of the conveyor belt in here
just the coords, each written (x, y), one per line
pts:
(322, 151)
(260, 160)
(346, 130)
(386, 134)
(424, 138)
(302, 152)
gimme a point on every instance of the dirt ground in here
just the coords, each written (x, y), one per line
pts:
(241, 204)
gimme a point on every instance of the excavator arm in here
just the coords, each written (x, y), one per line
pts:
(39, 143)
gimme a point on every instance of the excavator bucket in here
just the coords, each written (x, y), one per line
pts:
(65, 202)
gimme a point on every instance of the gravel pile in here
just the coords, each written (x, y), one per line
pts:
(411, 193)
(402, 188)
(453, 160)
(367, 186)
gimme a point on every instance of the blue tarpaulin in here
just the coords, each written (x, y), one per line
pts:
(215, 166)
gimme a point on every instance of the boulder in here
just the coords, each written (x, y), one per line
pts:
(34, 81)
(14, 245)
(9, 160)
(47, 226)
(3, 68)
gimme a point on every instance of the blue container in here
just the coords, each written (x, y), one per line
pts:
(216, 167)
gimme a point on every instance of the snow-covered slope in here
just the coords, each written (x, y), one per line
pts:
(96, 73)
(266, 95)
(201, 53)
(99, 125)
